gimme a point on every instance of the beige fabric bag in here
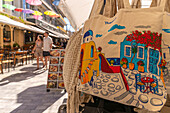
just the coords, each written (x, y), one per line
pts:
(121, 57)
(166, 40)
(72, 61)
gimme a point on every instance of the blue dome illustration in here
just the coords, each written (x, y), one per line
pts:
(88, 33)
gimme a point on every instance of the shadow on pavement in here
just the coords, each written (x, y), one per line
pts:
(35, 64)
(27, 73)
(36, 99)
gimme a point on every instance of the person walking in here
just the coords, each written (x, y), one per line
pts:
(38, 51)
(65, 43)
(47, 46)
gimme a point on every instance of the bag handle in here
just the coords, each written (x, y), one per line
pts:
(127, 4)
(120, 4)
(155, 3)
(110, 8)
(163, 4)
(106, 8)
(136, 4)
(97, 8)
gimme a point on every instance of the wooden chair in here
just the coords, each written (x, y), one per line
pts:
(21, 56)
(30, 57)
(6, 61)
(24, 56)
(1, 67)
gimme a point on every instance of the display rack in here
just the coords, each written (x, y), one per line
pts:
(55, 72)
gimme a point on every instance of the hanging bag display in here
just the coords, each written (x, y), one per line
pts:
(121, 57)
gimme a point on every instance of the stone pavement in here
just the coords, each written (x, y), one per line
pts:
(23, 90)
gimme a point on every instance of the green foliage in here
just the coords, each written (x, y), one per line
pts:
(16, 45)
(134, 49)
(7, 46)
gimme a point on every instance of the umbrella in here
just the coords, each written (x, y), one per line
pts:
(8, 6)
(34, 2)
(49, 13)
(19, 9)
(56, 2)
(27, 11)
(9, 0)
(38, 17)
(57, 16)
(37, 13)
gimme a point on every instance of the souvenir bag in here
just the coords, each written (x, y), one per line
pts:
(72, 58)
(165, 66)
(121, 57)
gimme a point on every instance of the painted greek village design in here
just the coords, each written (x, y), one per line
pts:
(136, 78)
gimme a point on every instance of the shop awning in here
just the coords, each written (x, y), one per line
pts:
(6, 20)
(37, 30)
(56, 33)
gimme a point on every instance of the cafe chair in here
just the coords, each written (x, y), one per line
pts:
(6, 61)
(1, 66)
(20, 56)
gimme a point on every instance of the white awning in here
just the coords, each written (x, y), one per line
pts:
(77, 11)
(66, 36)
(6, 20)
(37, 30)
(56, 33)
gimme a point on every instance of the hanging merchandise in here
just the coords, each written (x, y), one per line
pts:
(28, 11)
(34, 2)
(121, 56)
(165, 63)
(49, 13)
(37, 13)
(19, 9)
(8, 6)
(38, 17)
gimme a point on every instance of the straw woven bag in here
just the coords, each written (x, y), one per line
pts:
(118, 57)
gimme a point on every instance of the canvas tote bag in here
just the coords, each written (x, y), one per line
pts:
(166, 40)
(72, 58)
(121, 57)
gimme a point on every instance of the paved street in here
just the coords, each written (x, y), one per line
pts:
(23, 90)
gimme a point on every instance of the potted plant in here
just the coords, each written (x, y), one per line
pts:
(124, 62)
(148, 38)
(140, 66)
(16, 45)
(7, 46)
(162, 66)
(112, 62)
(134, 51)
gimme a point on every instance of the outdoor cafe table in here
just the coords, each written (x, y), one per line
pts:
(147, 82)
